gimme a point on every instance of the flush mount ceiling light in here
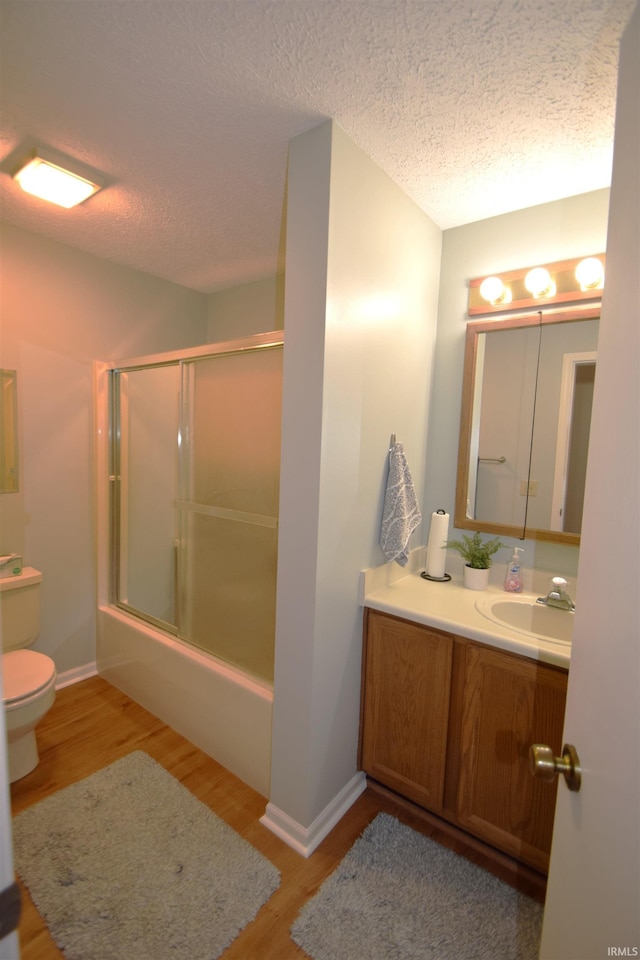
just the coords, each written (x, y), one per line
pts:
(565, 281)
(56, 178)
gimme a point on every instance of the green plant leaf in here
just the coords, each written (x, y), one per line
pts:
(477, 552)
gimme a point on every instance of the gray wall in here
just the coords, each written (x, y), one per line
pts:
(245, 310)
(360, 308)
(568, 228)
(61, 310)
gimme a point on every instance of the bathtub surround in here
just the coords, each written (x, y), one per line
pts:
(200, 688)
(399, 894)
(128, 863)
(222, 711)
(193, 521)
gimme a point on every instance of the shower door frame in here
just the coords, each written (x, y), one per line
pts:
(108, 460)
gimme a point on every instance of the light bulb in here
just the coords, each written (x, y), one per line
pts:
(493, 290)
(539, 283)
(590, 273)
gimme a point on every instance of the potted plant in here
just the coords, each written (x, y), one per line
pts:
(478, 554)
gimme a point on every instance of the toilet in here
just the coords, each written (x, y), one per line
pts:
(28, 677)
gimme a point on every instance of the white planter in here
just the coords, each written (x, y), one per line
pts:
(475, 579)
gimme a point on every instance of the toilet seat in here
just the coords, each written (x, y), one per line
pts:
(25, 675)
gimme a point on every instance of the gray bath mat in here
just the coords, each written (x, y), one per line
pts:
(398, 895)
(129, 865)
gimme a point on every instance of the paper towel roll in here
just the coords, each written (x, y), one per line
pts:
(438, 536)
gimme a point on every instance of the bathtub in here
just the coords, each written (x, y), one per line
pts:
(217, 708)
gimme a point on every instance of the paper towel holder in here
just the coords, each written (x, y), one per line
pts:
(425, 576)
(443, 579)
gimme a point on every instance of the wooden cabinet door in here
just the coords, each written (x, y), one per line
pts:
(509, 703)
(407, 680)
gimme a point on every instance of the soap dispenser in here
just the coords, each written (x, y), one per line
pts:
(513, 577)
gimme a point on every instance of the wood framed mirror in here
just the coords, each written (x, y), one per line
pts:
(8, 432)
(524, 424)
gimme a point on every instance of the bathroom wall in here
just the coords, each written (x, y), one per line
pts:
(61, 310)
(564, 229)
(361, 291)
(245, 310)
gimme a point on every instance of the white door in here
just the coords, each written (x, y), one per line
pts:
(8, 944)
(593, 897)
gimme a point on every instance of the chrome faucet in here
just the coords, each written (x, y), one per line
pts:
(558, 596)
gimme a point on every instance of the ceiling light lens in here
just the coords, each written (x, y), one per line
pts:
(539, 283)
(590, 273)
(46, 180)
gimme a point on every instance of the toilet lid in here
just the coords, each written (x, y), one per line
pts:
(25, 673)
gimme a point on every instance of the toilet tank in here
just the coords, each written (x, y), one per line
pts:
(20, 609)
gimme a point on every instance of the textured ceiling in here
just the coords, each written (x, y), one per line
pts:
(474, 107)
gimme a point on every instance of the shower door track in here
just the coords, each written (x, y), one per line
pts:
(260, 341)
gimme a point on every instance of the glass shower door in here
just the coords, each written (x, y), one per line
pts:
(145, 420)
(228, 511)
(195, 469)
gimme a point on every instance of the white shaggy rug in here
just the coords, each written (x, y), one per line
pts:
(397, 895)
(128, 865)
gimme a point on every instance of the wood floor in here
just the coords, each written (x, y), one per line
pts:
(91, 724)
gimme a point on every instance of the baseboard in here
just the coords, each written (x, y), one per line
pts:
(304, 840)
(76, 675)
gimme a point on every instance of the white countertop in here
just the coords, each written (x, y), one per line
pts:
(452, 607)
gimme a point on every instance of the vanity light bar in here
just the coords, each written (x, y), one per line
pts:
(566, 281)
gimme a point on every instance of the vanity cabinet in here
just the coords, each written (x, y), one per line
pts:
(447, 723)
(406, 708)
(508, 702)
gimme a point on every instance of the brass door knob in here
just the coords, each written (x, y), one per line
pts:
(544, 765)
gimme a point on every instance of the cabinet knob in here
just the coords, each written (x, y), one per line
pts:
(545, 766)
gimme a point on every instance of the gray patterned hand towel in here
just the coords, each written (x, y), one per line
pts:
(401, 513)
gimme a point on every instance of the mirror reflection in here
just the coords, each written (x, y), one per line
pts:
(8, 432)
(526, 416)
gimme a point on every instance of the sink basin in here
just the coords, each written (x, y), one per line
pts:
(524, 615)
